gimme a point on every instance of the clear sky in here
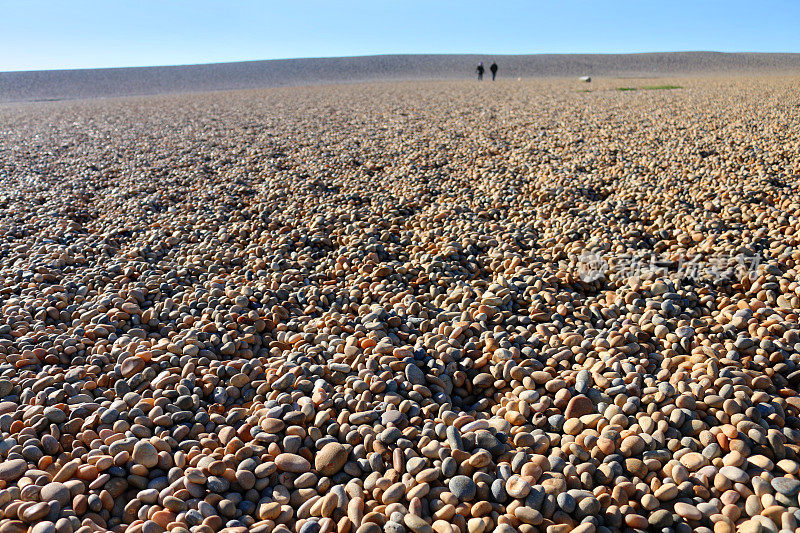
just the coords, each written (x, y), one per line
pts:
(37, 34)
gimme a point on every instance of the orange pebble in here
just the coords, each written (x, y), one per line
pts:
(163, 518)
(87, 472)
(367, 342)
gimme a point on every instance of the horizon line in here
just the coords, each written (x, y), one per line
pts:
(354, 56)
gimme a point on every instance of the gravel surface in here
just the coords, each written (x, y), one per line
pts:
(413, 307)
(111, 82)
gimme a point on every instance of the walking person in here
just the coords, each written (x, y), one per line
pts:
(493, 68)
(480, 71)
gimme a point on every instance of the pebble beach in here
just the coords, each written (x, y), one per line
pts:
(450, 307)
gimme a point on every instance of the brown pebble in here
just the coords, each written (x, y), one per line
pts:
(330, 459)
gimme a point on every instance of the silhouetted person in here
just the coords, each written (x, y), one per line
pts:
(480, 70)
(493, 68)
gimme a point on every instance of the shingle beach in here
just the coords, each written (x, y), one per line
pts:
(451, 307)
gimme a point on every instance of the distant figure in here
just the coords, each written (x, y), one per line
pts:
(480, 70)
(493, 68)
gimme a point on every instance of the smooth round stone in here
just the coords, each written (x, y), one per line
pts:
(240, 380)
(194, 475)
(752, 505)
(226, 508)
(516, 487)
(454, 438)
(789, 466)
(415, 465)
(217, 484)
(247, 479)
(131, 366)
(557, 422)
(578, 406)
(150, 526)
(394, 493)
(751, 526)
(573, 426)
(394, 527)
(55, 415)
(330, 459)
(414, 374)
(583, 381)
(632, 445)
(498, 490)
(390, 435)
(462, 488)
(36, 512)
(290, 462)
(666, 492)
(693, 461)
(43, 527)
(786, 486)
(449, 467)
(417, 524)
(55, 491)
(12, 469)
(566, 502)
(589, 506)
(174, 504)
(707, 509)
(487, 441)
(148, 496)
(272, 425)
(660, 518)
(689, 512)
(392, 417)
(145, 454)
(636, 467)
(737, 475)
(528, 515)
(13, 526)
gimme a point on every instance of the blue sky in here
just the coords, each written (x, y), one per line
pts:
(37, 34)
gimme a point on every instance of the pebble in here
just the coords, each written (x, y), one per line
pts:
(463, 487)
(566, 502)
(689, 512)
(787, 486)
(330, 459)
(660, 518)
(578, 406)
(145, 454)
(290, 462)
(417, 524)
(12, 469)
(55, 492)
(737, 475)
(516, 487)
